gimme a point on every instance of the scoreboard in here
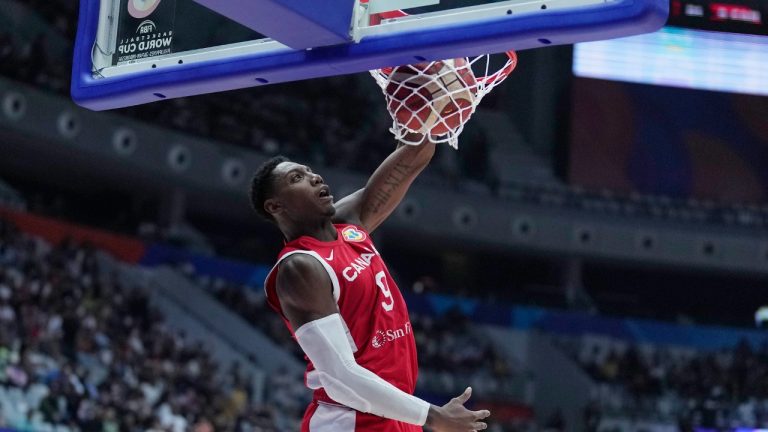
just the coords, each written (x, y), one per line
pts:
(732, 16)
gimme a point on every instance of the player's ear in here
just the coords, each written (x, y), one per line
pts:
(273, 206)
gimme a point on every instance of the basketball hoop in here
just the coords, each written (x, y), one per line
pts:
(437, 98)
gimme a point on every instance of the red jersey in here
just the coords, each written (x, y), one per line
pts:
(375, 314)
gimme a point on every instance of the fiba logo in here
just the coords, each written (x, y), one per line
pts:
(353, 235)
(146, 26)
(140, 9)
(380, 338)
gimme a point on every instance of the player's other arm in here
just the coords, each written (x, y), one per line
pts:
(306, 296)
(387, 186)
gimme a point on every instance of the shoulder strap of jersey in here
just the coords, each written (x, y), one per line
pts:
(270, 284)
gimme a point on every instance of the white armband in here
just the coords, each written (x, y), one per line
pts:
(324, 341)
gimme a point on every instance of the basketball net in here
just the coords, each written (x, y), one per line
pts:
(437, 98)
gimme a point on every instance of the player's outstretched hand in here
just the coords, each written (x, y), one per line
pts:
(453, 417)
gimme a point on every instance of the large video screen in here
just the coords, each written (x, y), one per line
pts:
(680, 57)
(707, 44)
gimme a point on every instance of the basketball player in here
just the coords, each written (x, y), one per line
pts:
(336, 296)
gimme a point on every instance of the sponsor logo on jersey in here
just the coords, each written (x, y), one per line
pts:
(382, 337)
(352, 234)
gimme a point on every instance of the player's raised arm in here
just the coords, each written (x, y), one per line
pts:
(305, 292)
(387, 186)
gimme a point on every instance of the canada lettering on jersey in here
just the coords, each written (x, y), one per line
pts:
(357, 266)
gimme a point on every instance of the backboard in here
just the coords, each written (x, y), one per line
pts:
(130, 52)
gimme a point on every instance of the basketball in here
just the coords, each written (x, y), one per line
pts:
(140, 9)
(434, 97)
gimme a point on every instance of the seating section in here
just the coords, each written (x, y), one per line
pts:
(80, 350)
(666, 387)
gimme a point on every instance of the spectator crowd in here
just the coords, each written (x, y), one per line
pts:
(689, 389)
(80, 350)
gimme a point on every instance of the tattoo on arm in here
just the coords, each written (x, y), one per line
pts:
(400, 172)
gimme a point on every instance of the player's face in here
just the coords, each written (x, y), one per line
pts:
(301, 193)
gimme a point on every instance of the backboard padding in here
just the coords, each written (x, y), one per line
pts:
(263, 62)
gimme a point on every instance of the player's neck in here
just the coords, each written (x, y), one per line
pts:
(324, 231)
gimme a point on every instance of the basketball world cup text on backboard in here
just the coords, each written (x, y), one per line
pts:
(130, 52)
(146, 30)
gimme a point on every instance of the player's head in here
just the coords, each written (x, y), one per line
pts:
(286, 192)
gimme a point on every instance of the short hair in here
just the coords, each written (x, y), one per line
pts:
(263, 185)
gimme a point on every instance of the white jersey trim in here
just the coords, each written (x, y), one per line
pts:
(326, 266)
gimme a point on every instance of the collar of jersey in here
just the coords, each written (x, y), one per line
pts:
(339, 238)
